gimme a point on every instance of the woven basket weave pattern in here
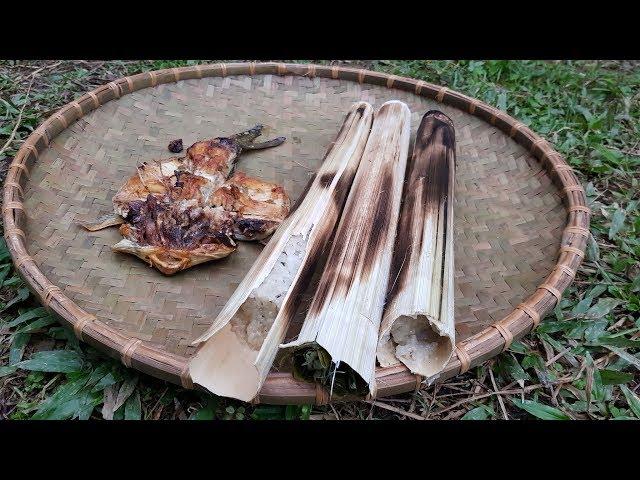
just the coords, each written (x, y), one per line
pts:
(509, 214)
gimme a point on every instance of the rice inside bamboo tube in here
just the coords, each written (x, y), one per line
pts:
(236, 353)
(418, 326)
(337, 343)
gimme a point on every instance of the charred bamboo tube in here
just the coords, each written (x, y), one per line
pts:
(418, 324)
(337, 344)
(234, 356)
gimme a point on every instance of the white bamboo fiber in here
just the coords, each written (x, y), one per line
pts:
(237, 351)
(345, 314)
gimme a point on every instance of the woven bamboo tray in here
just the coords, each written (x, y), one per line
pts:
(521, 221)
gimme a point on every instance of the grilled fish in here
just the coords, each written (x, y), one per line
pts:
(180, 212)
(258, 207)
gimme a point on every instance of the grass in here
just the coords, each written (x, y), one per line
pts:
(583, 362)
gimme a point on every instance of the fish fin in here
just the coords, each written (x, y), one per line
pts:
(247, 136)
(246, 139)
(268, 144)
(109, 220)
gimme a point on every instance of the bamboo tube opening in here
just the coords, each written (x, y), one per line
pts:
(418, 343)
(312, 363)
(224, 365)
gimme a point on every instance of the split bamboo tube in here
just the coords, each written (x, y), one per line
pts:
(236, 353)
(337, 344)
(418, 325)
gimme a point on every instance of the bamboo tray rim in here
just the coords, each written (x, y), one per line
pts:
(282, 388)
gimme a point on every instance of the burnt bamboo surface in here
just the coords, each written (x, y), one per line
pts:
(422, 271)
(521, 219)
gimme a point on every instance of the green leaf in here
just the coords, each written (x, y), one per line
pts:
(633, 360)
(53, 361)
(63, 394)
(98, 373)
(208, 412)
(585, 113)
(617, 221)
(603, 307)
(28, 315)
(269, 412)
(557, 311)
(133, 407)
(19, 343)
(582, 306)
(37, 325)
(577, 332)
(119, 414)
(109, 379)
(4, 271)
(13, 281)
(513, 368)
(533, 361)
(126, 389)
(593, 250)
(596, 291)
(291, 412)
(22, 295)
(61, 411)
(590, 190)
(614, 377)
(502, 101)
(79, 406)
(539, 410)
(599, 392)
(479, 413)
(518, 347)
(632, 400)
(305, 412)
(595, 330)
(5, 260)
(64, 333)
(611, 156)
(8, 370)
(88, 401)
(615, 341)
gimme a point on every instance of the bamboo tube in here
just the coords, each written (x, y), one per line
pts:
(418, 325)
(236, 353)
(337, 344)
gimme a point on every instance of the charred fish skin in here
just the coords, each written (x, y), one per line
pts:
(171, 231)
(150, 178)
(175, 235)
(217, 158)
(183, 211)
(214, 160)
(183, 224)
(260, 207)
